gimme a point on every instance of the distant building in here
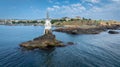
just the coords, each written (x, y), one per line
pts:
(77, 17)
(66, 18)
(39, 20)
(16, 20)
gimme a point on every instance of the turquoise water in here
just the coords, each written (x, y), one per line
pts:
(100, 50)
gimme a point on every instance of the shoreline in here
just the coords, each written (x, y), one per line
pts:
(85, 30)
(76, 29)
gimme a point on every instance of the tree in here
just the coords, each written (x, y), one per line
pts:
(54, 20)
(43, 22)
(34, 21)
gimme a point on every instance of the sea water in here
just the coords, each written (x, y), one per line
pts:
(91, 50)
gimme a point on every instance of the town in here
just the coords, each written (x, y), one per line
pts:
(64, 21)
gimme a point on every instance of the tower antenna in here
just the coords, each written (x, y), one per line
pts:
(47, 15)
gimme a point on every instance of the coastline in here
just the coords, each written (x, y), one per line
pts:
(76, 29)
(87, 29)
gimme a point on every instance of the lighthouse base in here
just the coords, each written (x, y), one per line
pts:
(47, 31)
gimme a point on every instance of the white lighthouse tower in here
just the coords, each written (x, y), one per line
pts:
(48, 25)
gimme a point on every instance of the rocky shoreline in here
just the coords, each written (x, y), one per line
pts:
(96, 30)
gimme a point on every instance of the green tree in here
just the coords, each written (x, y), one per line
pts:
(54, 21)
(43, 22)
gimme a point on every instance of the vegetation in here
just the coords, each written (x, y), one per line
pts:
(67, 21)
(28, 22)
(73, 21)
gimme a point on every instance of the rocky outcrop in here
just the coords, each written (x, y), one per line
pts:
(80, 30)
(112, 27)
(70, 43)
(43, 42)
(113, 32)
(95, 30)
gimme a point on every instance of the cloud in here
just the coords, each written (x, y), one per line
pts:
(70, 10)
(116, 0)
(106, 12)
(50, 9)
(73, 8)
(54, 2)
(92, 1)
(56, 7)
(95, 1)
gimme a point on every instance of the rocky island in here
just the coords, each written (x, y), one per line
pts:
(43, 42)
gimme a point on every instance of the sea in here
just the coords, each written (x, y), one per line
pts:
(89, 50)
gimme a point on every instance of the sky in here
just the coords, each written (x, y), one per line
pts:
(36, 9)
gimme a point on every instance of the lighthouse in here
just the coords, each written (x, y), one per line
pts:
(47, 25)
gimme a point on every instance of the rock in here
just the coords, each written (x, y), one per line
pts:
(113, 32)
(93, 30)
(80, 30)
(43, 42)
(74, 32)
(113, 27)
(70, 43)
